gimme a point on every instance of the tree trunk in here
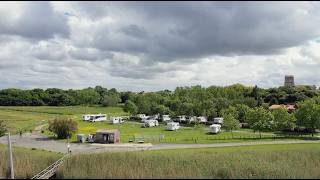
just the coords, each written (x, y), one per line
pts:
(260, 134)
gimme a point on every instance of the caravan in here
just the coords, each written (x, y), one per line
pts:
(94, 117)
(215, 128)
(172, 126)
(117, 120)
(150, 123)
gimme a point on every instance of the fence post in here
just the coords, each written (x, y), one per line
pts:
(10, 156)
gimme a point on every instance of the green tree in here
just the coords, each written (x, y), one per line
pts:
(283, 120)
(308, 115)
(63, 127)
(230, 123)
(242, 112)
(130, 107)
(3, 128)
(109, 101)
(260, 119)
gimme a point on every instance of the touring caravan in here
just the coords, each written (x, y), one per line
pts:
(172, 126)
(117, 120)
(215, 128)
(181, 118)
(218, 120)
(94, 117)
(150, 123)
(166, 118)
(202, 119)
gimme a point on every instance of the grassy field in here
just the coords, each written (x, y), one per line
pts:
(261, 161)
(28, 118)
(27, 162)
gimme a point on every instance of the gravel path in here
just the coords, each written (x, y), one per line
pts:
(39, 141)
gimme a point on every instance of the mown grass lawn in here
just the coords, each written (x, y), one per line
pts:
(259, 161)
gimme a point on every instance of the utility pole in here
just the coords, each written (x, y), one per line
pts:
(10, 156)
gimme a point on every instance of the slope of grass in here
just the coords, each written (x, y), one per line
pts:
(261, 161)
(27, 162)
(28, 117)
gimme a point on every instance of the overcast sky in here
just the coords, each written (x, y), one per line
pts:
(158, 45)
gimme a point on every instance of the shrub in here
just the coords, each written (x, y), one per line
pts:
(63, 127)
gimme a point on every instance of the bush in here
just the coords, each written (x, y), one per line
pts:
(63, 127)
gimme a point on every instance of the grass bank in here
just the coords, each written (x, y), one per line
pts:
(260, 161)
(27, 162)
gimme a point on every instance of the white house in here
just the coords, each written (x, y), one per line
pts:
(215, 128)
(151, 123)
(218, 120)
(117, 120)
(94, 117)
(202, 119)
(166, 118)
(173, 126)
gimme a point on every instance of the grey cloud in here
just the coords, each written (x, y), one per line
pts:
(37, 20)
(181, 30)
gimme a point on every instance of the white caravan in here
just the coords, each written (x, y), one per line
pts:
(143, 117)
(171, 126)
(94, 117)
(117, 120)
(166, 118)
(202, 119)
(215, 128)
(151, 123)
(181, 118)
(218, 120)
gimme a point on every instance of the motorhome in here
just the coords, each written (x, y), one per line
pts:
(94, 117)
(218, 120)
(172, 126)
(117, 120)
(215, 128)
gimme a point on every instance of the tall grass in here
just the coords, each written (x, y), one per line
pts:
(27, 162)
(281, 161)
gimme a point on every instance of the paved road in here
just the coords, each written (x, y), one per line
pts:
(39, 141)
